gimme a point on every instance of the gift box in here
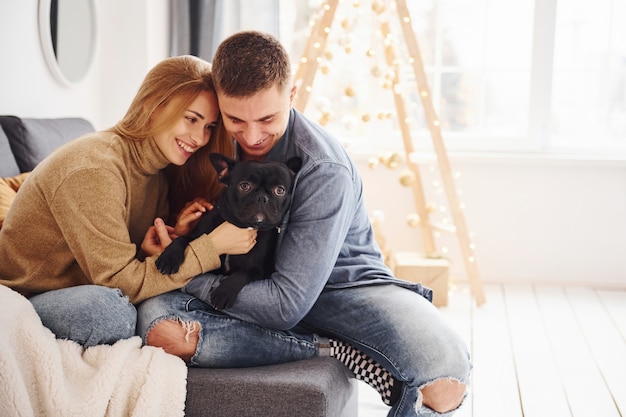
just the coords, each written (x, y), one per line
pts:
(431, 272)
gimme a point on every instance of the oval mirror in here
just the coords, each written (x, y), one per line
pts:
(67, 31)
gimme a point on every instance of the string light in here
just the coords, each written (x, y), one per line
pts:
(346, 102)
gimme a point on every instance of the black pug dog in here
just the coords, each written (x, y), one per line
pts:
(257, 195)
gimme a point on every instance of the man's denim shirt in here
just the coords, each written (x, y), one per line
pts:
(326, 239)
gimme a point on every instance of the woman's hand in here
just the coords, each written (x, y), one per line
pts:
(232, 240)
(157, 238)
(190, 214)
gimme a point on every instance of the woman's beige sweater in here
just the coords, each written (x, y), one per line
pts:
(81, 216)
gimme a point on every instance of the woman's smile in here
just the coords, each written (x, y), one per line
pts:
(185, 147)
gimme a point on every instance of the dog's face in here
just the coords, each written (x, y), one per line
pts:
(257, 193)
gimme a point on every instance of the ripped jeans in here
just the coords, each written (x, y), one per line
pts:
(397, 327)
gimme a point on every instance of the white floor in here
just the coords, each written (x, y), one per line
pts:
(538, 351)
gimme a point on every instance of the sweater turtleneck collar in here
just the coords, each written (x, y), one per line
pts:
(147, 155)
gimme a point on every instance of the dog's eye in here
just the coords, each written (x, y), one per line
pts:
(245, 187)
(279, 190)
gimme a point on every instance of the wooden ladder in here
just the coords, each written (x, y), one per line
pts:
(304, 77)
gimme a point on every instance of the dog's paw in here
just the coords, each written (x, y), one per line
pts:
(226, 293)
(169, 261)
(222, 299)
(168, 264)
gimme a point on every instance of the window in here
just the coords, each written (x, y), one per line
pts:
(504, 75)
(589, 75)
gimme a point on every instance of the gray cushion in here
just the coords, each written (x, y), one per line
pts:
(33, 139)
(319, 387)
(8, 166)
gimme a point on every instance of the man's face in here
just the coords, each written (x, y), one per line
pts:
(257, 122)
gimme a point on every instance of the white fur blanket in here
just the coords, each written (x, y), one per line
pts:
(43, 376)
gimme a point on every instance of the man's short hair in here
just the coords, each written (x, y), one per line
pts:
(248, 62)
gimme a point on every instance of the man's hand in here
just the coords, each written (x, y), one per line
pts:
(157, 238)
(190, 214)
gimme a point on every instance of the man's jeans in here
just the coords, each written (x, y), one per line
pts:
(397, 327)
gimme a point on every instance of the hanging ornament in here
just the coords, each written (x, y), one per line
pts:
(391, 160)
(407, 178)
(372, 162)
(413, 220)
(349, 91)
(345, 41)
(378, 6)
(324, 118)
(366, 117)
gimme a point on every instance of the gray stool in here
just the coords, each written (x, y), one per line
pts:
(318, 387)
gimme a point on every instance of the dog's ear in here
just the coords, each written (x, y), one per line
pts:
(294, 164)
(222, 165)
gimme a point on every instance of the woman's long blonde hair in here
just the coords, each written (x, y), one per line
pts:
(172, 85)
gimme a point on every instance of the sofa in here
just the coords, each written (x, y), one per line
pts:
(318, 387)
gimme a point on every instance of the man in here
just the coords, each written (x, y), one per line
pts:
(330, 277)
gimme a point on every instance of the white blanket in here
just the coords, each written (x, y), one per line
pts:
(43, 376)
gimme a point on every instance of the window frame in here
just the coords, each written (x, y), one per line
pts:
(537, 138)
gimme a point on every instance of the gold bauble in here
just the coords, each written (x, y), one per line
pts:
(324, 119)
(372, 162)
(407, 178)
(349, 91)
(378, 6)
(391, 160)
(376, 71)
(366, 117)
(413, 220)
(394, 160)
(324, 69)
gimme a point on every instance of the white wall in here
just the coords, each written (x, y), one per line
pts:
(130, 39)
(532, 219)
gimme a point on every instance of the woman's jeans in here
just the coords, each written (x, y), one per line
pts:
(395, 326)
(87, 314)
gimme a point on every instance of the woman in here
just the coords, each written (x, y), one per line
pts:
(79, 240)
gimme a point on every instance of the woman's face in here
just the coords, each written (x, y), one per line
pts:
(192, 131)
